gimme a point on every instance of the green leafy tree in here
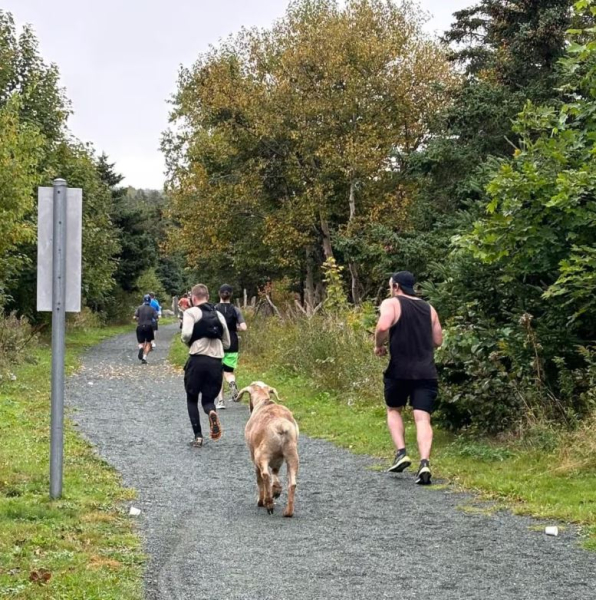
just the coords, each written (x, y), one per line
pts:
(20, 153)
(292, 139)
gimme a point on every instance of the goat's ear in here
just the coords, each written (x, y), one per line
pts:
(274, 392)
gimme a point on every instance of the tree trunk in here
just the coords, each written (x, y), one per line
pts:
(352, 201)
(327, 248)
(356, 299)
(352, 265)
(309, 284)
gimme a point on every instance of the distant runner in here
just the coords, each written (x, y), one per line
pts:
(205, 331)
(145, 315)
(235, 322)
(155, 304)
(183, 304)
(413, 329)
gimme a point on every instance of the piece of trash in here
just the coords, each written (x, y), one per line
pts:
(90, 382)
(135, 512)
(13, 377)
(551, 531)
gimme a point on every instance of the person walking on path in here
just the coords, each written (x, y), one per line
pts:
(235, 322)
(413, 330)
(183, 305)
(145, 315)
(205, 332)
(155, 304)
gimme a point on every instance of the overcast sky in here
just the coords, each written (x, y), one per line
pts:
(119, 61)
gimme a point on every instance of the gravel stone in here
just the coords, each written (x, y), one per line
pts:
(357, 533)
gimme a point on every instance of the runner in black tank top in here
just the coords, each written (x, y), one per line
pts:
(413, 330)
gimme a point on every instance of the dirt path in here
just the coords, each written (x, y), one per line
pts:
(358, 533)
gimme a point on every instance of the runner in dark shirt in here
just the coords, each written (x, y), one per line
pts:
(236, 323)
(413, 330)
(145, 315)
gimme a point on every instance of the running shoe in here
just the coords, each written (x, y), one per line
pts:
(401, 462)
(221, 404)
(144, 361)
(214, 425)
(140, 354)
(424, 475)
(234, 391)
(197, 442)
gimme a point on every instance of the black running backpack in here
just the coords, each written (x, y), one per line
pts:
(209, 325)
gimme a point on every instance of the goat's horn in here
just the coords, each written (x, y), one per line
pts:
(243, 391)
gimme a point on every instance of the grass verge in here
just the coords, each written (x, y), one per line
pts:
(521, 478)
(82, 546)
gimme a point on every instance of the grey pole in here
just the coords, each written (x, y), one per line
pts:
(58, 336)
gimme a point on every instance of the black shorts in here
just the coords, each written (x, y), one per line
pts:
(203, 375)
(421, 392)
(145, 334)
(155, 327)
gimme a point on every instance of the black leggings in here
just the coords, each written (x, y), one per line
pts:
(192, 402)
(202, 376)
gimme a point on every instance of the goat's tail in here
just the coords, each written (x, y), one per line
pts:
(286, 429)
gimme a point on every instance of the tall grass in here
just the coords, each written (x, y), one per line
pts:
(335, 353)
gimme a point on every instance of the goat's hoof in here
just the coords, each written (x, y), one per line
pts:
(288, 514)
(277, 493)
(260, 503)
(269, 511)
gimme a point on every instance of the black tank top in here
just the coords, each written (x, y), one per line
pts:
(411, 342)
(228, 310)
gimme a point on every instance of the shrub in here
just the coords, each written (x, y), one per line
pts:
(16, 338)
(334, 351)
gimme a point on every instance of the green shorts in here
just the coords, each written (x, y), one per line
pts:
(230, 361)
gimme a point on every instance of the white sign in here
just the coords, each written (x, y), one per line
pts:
(74, 237)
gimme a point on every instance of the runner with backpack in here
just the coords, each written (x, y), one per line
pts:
(205, 332)
(235, 322)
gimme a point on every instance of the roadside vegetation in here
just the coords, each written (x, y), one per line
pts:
(83, 545)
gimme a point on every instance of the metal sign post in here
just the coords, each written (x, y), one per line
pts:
(58, 337)
(59, 290)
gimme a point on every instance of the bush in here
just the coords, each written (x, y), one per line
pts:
(336, 352)
(16, 338)
(86, 319)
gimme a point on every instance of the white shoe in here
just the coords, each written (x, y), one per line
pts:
(221, 404)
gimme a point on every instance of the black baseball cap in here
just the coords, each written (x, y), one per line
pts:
(226, 288)
(406, 282)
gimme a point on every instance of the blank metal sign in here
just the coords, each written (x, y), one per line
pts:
(45, 229)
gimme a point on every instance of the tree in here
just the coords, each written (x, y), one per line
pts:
(20, 146)
(292, 138)
(540, 223)
(43, 103)
(508, 51)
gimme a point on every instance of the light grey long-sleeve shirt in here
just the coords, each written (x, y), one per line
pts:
(205, 346)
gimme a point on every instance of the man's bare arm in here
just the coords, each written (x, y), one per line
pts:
(388, 317)
(437, 329)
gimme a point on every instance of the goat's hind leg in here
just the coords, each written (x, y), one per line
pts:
(268, 492)
(276, 486)
(261, 501)
(292, 463)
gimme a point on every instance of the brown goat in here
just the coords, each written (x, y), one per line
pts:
(272, 437)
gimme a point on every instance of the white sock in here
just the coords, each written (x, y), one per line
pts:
(144, 357)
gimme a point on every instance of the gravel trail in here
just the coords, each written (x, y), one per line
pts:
(358, 533)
